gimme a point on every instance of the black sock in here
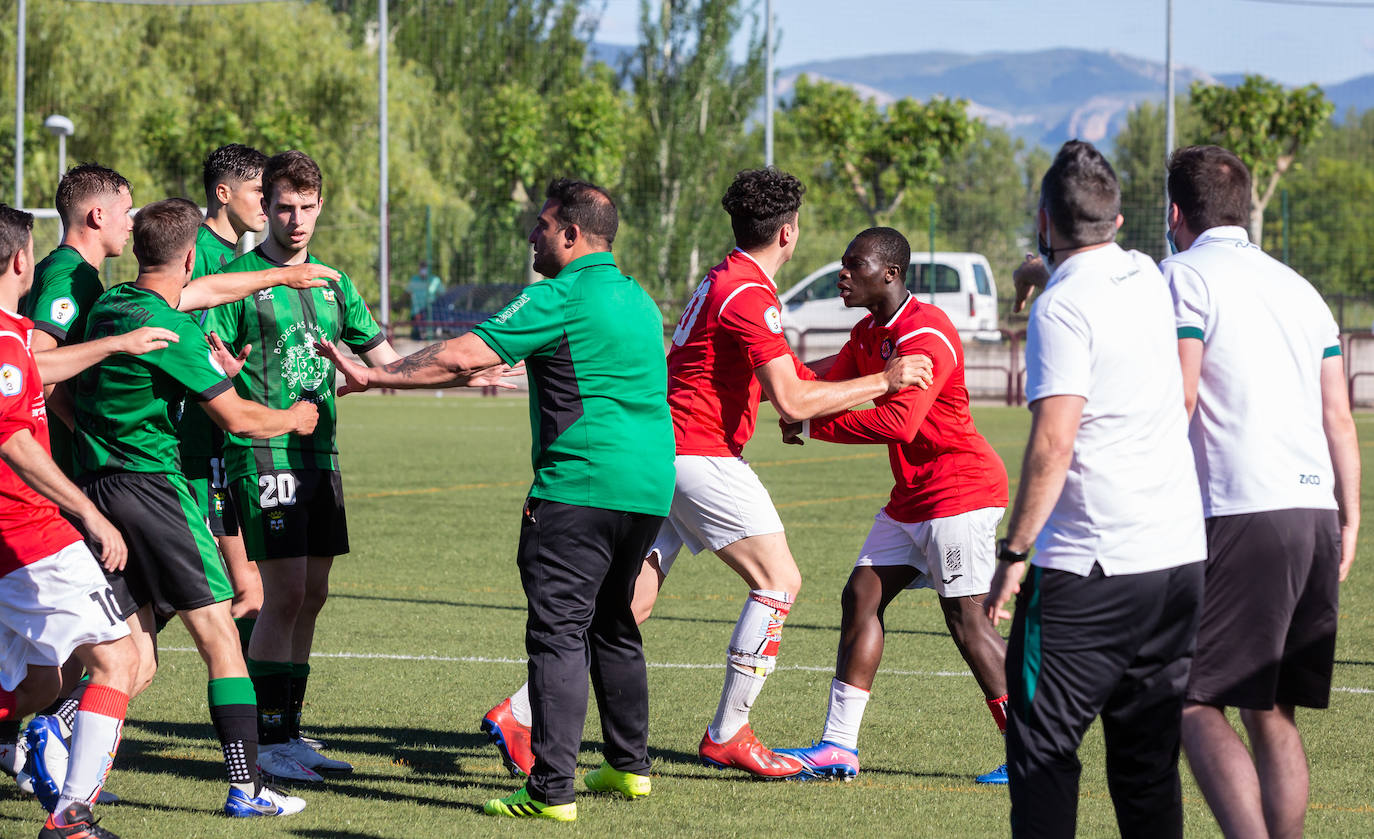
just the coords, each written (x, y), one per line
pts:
(234, 712)
(272, 682)
(300, 675)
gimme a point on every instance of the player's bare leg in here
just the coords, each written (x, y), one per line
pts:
(508, 724)
(765, 563)
(1281, 763)
(865, 599)
(243, 576)
(1224, 770)
(143, 631)
(978, 641)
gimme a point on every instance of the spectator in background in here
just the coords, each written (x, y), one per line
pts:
(425, 289)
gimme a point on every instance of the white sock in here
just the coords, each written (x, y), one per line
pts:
(845, 714)
(95, 739)
(520, 705)
(752, 656)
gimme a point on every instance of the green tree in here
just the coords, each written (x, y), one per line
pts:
(1139, 158)
(1266, 126)
(880, 154)
(689, 105)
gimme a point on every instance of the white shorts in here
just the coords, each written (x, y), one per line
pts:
(716, 501)
(49, 608)
(954, 555)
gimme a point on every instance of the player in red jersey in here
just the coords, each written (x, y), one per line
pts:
(939, 524)
(54, 601)
(728, 349)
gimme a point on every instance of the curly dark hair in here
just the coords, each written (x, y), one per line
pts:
(235, 162)
(760, 202)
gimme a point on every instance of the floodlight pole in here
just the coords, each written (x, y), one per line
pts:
(1168, 103)
(383, 207)
(769, 83)
(19, 108)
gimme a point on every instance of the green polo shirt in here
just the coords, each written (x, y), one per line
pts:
(592, 343)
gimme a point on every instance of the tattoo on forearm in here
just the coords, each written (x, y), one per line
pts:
(415, 361)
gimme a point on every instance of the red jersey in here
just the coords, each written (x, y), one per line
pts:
(731, 325)
(943, 466)
(31, 527)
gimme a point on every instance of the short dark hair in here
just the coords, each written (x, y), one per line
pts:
(586, 205)
(1211, 187)
(16, 228)
(1081, 194)
(295, 168)
(889, 245)
(163, 230)
(760, 202)
(84, 182)
(234, 161)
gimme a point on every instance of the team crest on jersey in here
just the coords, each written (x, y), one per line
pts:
(11, 380)
(328, 294)
(773, 318)
(302, 369)
(885, 349)
(63, 310)
(276, 520)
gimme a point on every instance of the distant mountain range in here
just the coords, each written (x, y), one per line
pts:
(1044, 97)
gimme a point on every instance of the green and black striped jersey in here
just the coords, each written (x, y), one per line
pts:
(283, 325)
(126, 406)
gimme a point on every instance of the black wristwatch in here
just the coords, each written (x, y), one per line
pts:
(1006, 554)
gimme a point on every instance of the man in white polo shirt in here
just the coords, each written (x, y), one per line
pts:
(1277, 458)
(1106, 619)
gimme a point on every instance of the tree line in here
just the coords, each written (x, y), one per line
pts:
(488, 99)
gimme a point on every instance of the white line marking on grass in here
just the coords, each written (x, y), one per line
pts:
(657, 665)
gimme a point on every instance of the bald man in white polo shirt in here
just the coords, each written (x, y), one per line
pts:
(1106, 619)
(1279, 466)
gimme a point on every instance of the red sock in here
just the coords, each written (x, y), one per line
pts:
(998, 707)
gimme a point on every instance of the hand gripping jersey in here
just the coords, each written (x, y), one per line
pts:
(942, 465)
(31, 527)
(283, 325)
(731, 325)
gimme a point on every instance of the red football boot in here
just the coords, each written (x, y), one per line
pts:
(511, 738)
(744, 751)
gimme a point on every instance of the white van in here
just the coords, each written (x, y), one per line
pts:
(959, 283)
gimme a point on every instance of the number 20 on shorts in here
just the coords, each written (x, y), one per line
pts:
(277, 490)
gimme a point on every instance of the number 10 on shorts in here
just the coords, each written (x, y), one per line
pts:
(277, 490)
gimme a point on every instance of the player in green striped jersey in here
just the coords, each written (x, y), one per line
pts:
(128, 457)
(288, 489)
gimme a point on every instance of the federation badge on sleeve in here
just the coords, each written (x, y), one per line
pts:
(773, 319)
(885, 349)
(63, 310)
(215, 364)
(11, 380)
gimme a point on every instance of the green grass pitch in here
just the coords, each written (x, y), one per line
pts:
(424, 631)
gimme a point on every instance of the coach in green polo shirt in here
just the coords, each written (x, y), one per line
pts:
(602, 440)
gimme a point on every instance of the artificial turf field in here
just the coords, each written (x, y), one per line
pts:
(424, 632)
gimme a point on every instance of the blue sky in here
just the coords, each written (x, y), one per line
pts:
(1293, 41)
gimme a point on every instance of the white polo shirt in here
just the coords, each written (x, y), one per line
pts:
(1257, 430)
(1103, 329)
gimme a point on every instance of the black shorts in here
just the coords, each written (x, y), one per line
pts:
(292, 512)
(173, 562)
(212, 495)
(1268, 631)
